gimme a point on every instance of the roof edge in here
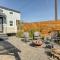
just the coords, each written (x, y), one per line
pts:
(9, 9)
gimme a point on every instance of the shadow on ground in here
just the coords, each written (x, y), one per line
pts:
(7, 48)
(32, 45)
(48, 53)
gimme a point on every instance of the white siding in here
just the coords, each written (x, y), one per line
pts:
(11, 17)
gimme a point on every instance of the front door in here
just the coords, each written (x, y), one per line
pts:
(1, 24)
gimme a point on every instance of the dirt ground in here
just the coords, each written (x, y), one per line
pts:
(26, 52)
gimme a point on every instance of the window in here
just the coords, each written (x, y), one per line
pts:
(1, 10)
(4, 20)
(11, 12)
(17, 22)
(11, 23)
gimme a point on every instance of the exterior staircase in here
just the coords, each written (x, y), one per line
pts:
(3, 36)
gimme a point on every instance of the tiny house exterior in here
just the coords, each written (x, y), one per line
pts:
(8, 18)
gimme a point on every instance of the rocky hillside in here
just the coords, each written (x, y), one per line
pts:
(44, 27)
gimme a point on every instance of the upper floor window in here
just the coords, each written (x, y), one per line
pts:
(1, 10)
(11, 12)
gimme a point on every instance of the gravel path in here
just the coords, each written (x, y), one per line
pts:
(28, 52)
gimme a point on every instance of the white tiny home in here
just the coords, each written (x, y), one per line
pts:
(8, 18)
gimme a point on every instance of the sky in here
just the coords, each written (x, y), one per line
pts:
(33, 10)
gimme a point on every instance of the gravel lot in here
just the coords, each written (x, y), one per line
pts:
(27, 52)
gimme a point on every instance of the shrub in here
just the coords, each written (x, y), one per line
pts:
(58, 33)
(31, 32)
(20, 34)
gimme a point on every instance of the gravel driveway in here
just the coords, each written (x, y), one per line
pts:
(28, 52)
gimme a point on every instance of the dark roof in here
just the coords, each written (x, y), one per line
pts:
(9, 9)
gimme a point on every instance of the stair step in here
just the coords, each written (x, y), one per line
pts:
(3, 36)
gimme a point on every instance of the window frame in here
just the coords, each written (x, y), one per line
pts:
(11, 12)
(11, 23)
(1, 10)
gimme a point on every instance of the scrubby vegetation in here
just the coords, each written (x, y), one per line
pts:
(31, 32)
(20, 29)
(19, 34)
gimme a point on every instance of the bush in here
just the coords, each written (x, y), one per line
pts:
(58, 33)
(20, 34)
(31, 32)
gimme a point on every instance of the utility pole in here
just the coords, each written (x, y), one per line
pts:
(56, 12)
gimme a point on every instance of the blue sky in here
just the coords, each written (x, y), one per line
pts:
(33, 10)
